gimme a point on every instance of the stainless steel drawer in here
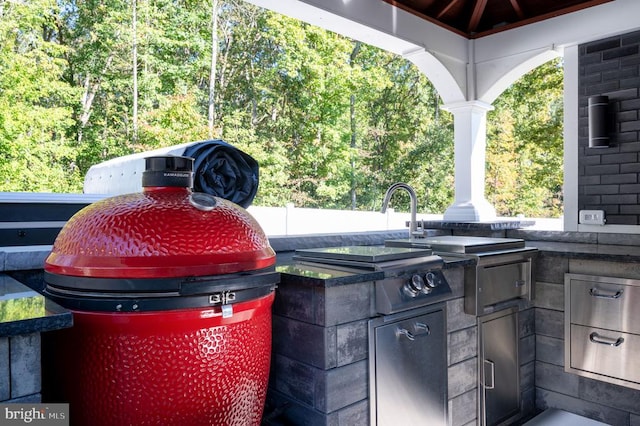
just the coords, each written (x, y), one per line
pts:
(605, 352)
(504, 282)
(606, 303)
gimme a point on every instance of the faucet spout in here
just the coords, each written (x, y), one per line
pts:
(413, 226)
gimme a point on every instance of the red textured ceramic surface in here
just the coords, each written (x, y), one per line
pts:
(188, 368)
(159, 233)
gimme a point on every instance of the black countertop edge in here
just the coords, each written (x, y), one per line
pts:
(495, 225)
(50, 322)
(604, 252)
(323, 276)
(55, 317)
(25, 311)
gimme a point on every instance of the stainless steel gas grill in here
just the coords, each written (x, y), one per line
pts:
(412, 276)
(503, 270)
(407, 341)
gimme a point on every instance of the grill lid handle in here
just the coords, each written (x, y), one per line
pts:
(169, 170)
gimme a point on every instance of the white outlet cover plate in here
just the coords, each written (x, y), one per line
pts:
(592, 217)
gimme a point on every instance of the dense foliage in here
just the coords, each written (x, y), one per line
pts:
(332, 122)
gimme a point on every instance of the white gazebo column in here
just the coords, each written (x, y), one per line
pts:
(470, 138)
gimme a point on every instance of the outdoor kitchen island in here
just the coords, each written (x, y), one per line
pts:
(322, 369)
(304, 302)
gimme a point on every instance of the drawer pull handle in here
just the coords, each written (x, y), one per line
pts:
(595, 293)
(520, 283)
(596, 338)
(420, 330)
(491, 375)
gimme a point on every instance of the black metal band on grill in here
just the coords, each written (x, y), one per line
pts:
(149, 294)
(182, 285)
(145, 303)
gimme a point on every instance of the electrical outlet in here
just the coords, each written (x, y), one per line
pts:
(592, 217)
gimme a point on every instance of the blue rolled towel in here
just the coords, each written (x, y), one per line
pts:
(224, 171)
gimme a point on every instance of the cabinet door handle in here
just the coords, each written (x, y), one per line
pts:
(596, 338)
(520, 283)
(421, 329)
(492, 374)
(596, 293)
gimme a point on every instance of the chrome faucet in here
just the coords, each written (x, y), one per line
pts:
(413, 226)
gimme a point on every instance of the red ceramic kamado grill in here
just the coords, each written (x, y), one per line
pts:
(171, 293)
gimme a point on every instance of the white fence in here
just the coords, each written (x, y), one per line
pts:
(290, 220)
(282, 221)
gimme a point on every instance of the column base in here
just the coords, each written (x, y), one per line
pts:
(470, 211)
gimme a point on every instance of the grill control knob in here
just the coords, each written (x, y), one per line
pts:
(431, 280)
(414, 286)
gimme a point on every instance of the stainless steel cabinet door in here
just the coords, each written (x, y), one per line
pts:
(499, 367)
(411, 372)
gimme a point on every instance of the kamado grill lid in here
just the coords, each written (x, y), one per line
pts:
(164, 231)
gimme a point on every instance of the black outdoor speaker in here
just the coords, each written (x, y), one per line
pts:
(598, 137)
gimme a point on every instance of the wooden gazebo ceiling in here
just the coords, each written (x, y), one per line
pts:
(477, 18)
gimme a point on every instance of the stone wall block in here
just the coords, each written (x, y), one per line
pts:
(550, 350)
(5, 373)
(320, 348)
(24, 353)
(462, 345)
(343, 304)
(463, 377)
(352, 342)
(550, 323)
(462, 409)
(549, 295)
(341, 387)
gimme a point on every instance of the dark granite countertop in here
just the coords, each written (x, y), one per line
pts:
(495, 225)
(328, 276)
(324, 276)
(24, 311)
(610, 252)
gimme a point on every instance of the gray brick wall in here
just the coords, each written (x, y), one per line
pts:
(609, 177)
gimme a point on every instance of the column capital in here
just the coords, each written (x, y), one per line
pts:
(467, 106)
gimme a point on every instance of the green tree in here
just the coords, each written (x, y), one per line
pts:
(405, 137)
(332, 122)
(524, 149)
(36, 103)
